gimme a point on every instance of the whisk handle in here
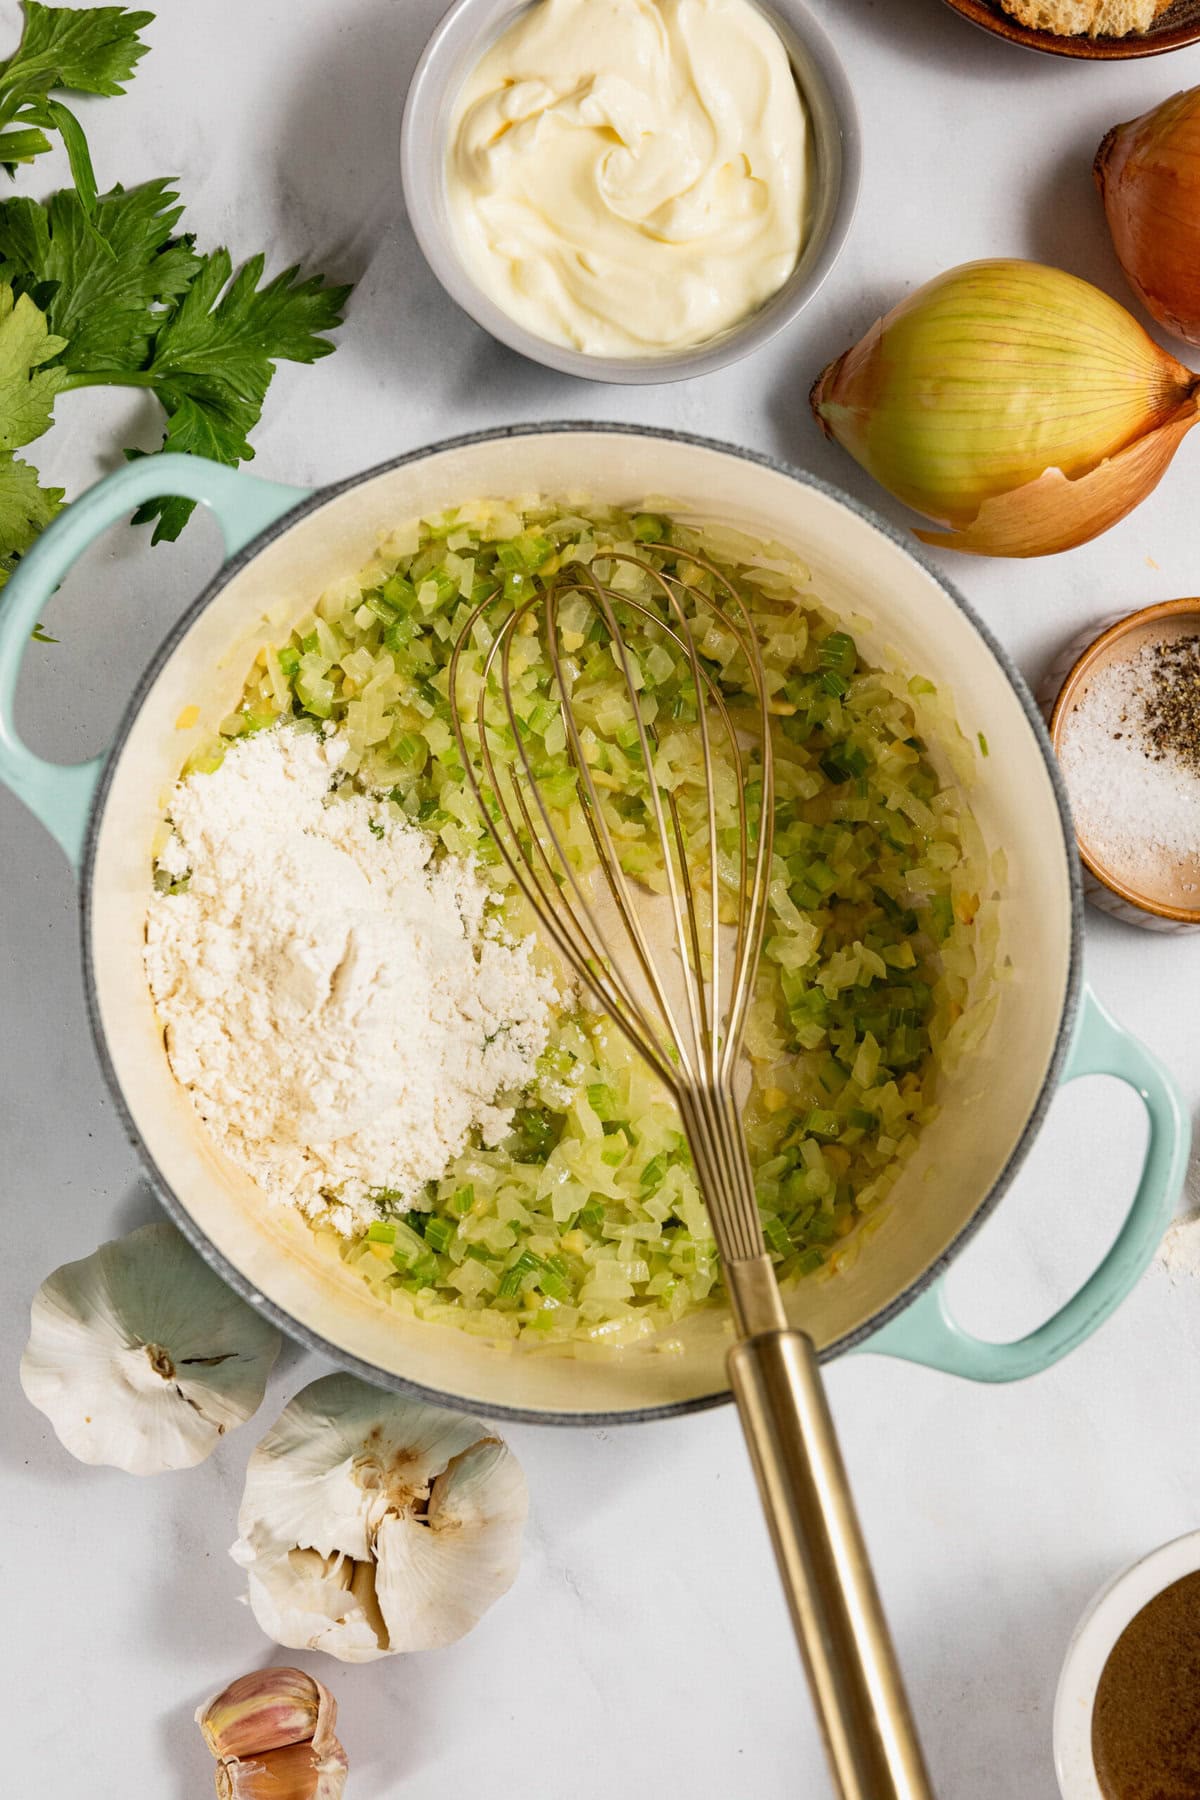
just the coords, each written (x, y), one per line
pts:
(836, 1611)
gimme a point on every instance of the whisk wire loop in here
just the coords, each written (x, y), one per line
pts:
(693, 1045)
(750, 930)
(610, 863)
(585, 953)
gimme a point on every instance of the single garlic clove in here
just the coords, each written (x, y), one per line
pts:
(273, 1733)
(296, 1772)
(372, 1523)
(1012, 402)
(141, 1357)
(266, 1710)
(462, 1550)
(313, 1602)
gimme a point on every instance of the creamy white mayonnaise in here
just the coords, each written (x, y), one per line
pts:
(629, 177)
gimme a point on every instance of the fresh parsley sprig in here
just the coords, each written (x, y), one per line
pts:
(214, 355)
(106, 290)
(94, 51)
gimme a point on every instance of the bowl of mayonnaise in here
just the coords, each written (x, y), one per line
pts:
(630, 190)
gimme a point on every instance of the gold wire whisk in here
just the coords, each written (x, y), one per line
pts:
(693, 1042)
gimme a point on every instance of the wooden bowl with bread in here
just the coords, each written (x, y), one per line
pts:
(1096, 30)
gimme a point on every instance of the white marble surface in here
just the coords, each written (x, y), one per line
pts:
(644, 1649)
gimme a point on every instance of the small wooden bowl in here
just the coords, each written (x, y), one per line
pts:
(1168, 619)
(1172, 30)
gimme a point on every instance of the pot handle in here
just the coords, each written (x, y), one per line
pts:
(927, 1333)
(60, 794)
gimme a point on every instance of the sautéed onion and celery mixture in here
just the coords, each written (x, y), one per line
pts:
(586, 1224)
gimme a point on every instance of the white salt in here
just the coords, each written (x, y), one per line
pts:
(1134, 809)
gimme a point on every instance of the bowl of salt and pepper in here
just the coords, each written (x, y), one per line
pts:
(1126, 727)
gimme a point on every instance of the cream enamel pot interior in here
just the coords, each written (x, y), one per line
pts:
(285, 546)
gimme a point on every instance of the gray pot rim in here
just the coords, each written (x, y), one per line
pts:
(177, 1212)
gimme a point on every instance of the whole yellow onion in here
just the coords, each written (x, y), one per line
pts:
(1012, 402)
(1148, 173)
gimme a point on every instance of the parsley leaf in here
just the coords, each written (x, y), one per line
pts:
(215, 355)
(93, 50)
(227, 334)
(85, 51)
(105, 290)
(140, 308)
(26, 508)
(90, 51)
(106, 298)
(27, 389)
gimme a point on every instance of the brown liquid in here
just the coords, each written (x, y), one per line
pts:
(1146, 1722)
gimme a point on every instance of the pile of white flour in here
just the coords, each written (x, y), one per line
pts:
(342, 1012)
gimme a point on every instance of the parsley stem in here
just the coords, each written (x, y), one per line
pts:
(108, 378)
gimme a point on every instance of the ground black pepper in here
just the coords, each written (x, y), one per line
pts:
(1171, 725)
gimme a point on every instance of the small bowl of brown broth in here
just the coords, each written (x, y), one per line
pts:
(1127, 1714)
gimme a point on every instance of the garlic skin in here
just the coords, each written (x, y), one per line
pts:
(273, 1734)
(294, 1773)
(373, 1524)
(1148, 174)
(141, 1358)
(1013, 403)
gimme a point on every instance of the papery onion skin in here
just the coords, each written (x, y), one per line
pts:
(990, 377)
(1148, 174)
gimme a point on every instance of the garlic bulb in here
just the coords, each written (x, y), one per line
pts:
(273, 1735)
(1012, 402)
(372, 1523)
(141, 1358)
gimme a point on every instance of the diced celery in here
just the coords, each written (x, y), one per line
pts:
(438, 1234)
(525, 554)
(776, 1234)
(585, 1221)
(822, 1123)
(602, 1100)
(653, 1172)
(838, 651)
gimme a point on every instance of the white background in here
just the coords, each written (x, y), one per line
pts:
(644, 1649)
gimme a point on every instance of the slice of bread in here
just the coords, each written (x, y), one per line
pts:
(1098, 18)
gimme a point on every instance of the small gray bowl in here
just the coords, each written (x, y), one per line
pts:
(468, 30)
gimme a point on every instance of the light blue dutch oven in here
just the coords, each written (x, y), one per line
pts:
(284, 546)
